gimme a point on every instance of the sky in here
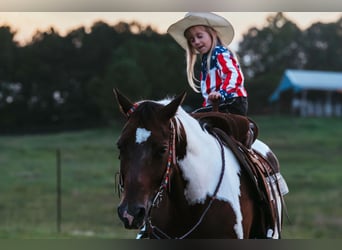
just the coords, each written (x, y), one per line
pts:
(27, 23)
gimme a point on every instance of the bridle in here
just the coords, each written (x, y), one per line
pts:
(165, 184)
(156, 231)
(171, 160)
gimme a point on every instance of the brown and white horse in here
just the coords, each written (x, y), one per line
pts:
(179, 180)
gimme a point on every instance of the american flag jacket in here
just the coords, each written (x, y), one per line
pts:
(224, 76)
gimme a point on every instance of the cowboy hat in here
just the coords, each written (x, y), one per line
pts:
(220, 24)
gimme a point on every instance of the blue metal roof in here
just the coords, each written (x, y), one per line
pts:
(308, 79)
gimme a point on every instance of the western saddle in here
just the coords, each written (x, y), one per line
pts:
(238, 133)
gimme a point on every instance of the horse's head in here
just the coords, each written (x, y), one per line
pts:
(144, 147)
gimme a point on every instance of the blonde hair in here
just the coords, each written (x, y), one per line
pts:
(191, 56)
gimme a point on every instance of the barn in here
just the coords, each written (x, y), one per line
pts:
(309, 93)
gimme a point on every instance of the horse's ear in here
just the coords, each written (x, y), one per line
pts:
(170, 109)
(124, 103)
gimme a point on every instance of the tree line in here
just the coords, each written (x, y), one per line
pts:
(65, 82)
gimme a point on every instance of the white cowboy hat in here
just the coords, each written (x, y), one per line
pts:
(220, 24)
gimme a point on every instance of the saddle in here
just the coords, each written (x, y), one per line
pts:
(242, 128)
(238, 133)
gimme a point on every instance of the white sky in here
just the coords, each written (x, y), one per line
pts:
(27, 23)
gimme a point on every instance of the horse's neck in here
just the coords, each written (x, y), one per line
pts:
(202, 162)
(177, 187)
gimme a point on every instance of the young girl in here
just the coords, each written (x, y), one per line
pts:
(221, 78)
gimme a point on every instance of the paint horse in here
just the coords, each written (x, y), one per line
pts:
(179, 181)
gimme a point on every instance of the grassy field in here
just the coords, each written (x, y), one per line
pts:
(309, 151)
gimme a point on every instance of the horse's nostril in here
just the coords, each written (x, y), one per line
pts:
(133, 216)
(137, 212)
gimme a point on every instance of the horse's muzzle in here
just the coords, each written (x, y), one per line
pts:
(132, 216)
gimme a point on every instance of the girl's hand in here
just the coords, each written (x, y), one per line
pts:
(214, 97)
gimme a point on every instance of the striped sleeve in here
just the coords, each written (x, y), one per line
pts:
(230, 73)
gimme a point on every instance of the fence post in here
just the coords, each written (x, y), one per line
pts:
(58, 189)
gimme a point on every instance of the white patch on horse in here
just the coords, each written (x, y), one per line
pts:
(202, 166)
(141, 135)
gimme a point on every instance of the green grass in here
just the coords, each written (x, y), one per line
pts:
(309, 151)
(28, 184)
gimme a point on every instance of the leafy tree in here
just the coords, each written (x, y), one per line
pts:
(265, 54)
(10, 88)
(8, 48)
(322, 46)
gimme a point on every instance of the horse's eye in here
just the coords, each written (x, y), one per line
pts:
(162, 150)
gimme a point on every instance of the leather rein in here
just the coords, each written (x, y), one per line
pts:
(156, 231)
